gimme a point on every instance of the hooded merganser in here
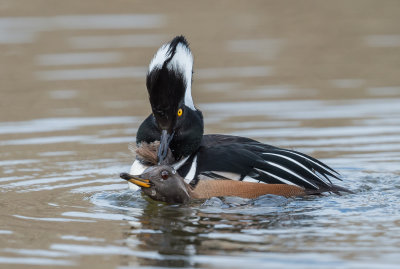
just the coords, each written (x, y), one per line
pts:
(178, 125)
(163, 183)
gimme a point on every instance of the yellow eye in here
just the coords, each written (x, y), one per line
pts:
(180, 111)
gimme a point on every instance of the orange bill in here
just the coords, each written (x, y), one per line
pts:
(145, 183)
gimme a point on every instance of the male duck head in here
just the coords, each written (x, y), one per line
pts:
(169, 81)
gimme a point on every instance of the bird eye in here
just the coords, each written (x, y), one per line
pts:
(164, 174)
(180, 112)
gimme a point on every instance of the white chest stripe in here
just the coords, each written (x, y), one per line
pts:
(192, 172)
(178, 165)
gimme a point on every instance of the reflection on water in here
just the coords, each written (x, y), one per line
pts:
(322, 80)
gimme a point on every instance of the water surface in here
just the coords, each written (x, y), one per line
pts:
(318, 77)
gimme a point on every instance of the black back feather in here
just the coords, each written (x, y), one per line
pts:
(263, 162)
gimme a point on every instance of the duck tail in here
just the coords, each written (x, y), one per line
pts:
(331, 188)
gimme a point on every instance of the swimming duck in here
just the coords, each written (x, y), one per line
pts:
(178, 124)
(163, 183)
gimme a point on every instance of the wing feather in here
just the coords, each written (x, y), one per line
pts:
(221, 154)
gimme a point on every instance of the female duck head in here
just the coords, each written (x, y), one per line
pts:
(161, 183)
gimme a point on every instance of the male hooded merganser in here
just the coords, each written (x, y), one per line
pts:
(163, 183)
(178, 125)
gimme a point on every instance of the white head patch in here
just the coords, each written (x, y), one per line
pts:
(182, 62)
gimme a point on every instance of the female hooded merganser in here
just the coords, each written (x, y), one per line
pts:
(163, 183)
(178, 125)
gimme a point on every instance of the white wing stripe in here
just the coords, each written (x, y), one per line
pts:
(324, 168)
(275, 176)
(291, 172)
(294, 161)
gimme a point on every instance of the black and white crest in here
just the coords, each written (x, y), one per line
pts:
(169, 78)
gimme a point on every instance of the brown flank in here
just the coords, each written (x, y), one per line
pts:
(211, 188)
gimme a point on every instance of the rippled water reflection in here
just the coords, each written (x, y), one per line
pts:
(321, 78)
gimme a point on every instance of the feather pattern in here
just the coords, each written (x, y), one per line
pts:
(219, 155)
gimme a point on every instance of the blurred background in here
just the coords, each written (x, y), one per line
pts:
(89, 58)
(321, 77)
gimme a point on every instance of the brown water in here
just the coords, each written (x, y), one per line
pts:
(316, 76)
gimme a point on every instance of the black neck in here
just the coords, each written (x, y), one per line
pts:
(186, 139)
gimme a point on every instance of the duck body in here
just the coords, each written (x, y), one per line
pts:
(163, 183)
(243, 159)
(206, 189)
(179, 127)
